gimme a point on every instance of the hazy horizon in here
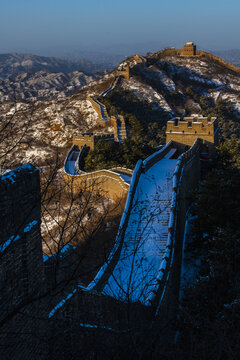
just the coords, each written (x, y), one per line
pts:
(62, 29)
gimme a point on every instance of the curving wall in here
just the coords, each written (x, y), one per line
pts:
(185, 179)
(106, 182)
(93, 314)
(98, 107)
(112, 86)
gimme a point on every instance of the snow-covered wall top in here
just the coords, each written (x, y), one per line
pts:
(182, 182)
(108, 266)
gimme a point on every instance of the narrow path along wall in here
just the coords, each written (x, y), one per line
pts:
(146, 236)
(143, 267)
(118, 122)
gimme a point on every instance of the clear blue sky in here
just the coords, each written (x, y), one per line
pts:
(57, 26)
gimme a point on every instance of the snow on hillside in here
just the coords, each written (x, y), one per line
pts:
(203, 70)
(50, 124)
(40, 128)
(234, 99)
(146, 92)
(42, 85)
(154, 73)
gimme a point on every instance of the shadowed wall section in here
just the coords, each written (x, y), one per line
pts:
(21, 267)
(106, 182)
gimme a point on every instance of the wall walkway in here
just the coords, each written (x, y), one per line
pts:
(143, 262)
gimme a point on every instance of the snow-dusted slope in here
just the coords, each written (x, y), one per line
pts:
(42, 85)
(166, 76)
(147, 93)
(39, 129)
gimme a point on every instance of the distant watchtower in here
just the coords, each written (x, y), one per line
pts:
(189, 49)
(124, 72)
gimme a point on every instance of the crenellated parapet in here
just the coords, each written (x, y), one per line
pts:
(219, 60)
(115, 82)
(90, 139)
(189, 49)
(188, 129)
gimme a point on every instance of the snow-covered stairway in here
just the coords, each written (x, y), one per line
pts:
(146, 235)
(121, 128)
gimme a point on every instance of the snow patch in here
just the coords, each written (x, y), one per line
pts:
(146, 92)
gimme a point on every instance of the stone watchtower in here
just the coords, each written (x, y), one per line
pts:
(90, 140)
(124, 72)
(189, 49)
(187, 130)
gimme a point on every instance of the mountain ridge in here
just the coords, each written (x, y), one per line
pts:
(16, 63)
(164, 86)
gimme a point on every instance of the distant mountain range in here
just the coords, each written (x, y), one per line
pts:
(15, 64)
(31, 77)
(42, 85)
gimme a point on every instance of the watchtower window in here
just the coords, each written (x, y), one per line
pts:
(176, 122)
(189, 124)
(170, 131)
(195, 132)
(183, 131)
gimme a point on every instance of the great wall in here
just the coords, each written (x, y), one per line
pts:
(113, 182)
(138, 284)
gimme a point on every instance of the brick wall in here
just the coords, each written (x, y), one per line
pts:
(90, 140)
(95, 326)
(105, 182)
(189, 49)
(21, 271)
(189, 129)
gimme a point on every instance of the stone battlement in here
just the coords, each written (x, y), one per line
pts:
(90, 139)
(124, 72)
(189, 49)
(187, 130)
